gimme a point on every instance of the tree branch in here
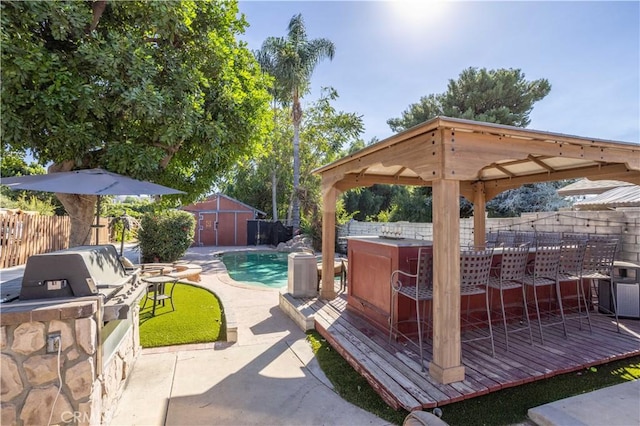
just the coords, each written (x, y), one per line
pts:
(98, 7)
(170, 150)
(65, 166)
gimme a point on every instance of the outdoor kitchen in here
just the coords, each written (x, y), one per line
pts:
(69, 335)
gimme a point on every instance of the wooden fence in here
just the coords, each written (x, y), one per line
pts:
(25, 234)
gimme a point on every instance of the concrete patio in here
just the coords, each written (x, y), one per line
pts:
(269, 376)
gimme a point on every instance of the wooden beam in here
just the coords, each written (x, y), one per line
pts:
(446, 366)
(467, 190)
(399, 172)
(362, 172)
(329, 198)
(510, 163)
(527, 135)
(425, 130)
(479, 208)
(468, 153)
(502, 169)
(355, 180)
(541, 163)
(613, 171)
(421, 154)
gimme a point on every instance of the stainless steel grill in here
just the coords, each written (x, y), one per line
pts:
(83, 271)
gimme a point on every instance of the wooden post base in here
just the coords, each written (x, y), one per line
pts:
(328, 295)
(446, 375)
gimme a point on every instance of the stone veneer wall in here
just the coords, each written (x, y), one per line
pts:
(624, 223)
(29, 375)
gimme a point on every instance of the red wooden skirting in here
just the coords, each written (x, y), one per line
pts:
(393, 369)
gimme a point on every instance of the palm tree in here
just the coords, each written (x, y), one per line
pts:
(292, 60)
(277, 96)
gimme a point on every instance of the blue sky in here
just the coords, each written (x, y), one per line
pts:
(391, 53)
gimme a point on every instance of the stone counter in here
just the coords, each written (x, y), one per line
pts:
(89, 386)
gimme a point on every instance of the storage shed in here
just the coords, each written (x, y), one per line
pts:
(221, 221)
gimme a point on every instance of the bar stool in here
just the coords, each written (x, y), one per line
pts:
(475, 269)
(570, 268)
(344, 274)
(598, 266)
(512, 269)
(491, 239)
(544, 238)
(544, 274)
(417, 287)
(524, 237)
(505, 238)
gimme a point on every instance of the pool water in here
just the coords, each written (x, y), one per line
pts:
(258, 268)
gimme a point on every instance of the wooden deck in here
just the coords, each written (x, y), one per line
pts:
(394, 372)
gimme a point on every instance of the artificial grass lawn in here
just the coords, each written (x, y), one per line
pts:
(504, 407)
(197, 318)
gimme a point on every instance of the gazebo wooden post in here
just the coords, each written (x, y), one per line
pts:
(329, 197)
(479, 209)
(446, 366)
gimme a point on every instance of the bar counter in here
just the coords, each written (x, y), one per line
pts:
(373, 259)
(371, 262)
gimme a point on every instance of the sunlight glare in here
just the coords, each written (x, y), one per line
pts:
(417, 13)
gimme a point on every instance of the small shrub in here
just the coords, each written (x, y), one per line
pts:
(166, 236)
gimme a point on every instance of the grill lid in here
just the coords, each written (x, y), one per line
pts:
(75, 272)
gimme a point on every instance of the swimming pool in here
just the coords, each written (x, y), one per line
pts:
(261, 268)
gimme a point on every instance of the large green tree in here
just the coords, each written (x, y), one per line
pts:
(156, 90)
(500, 96)
(292, 60)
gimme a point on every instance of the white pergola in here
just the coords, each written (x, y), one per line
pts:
(478, 161)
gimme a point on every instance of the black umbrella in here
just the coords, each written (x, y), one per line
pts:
(87, 182)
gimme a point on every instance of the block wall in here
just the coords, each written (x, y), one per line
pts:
(622, 223)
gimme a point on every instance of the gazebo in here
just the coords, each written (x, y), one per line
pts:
(478, 161)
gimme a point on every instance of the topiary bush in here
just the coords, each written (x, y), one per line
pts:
(165, 236)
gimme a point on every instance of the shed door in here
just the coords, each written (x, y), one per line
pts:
(208, 229)
(227, 229)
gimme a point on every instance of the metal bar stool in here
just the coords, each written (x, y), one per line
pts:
(598, 266)
(524, 237)
(544, 274)
(512, 270)
(505, 238)
(417, 287)
(570, 268)
(344, 274)
(475, 269)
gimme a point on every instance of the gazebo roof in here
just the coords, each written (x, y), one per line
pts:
(503, 157)
(588, 187)
(624, 196)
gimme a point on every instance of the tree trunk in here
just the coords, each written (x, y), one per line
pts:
(274, 193)
(81, 210)
(289, 209)
(297, 118)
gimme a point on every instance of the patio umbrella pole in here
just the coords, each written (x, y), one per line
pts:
(122, 241)
(98, 221)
